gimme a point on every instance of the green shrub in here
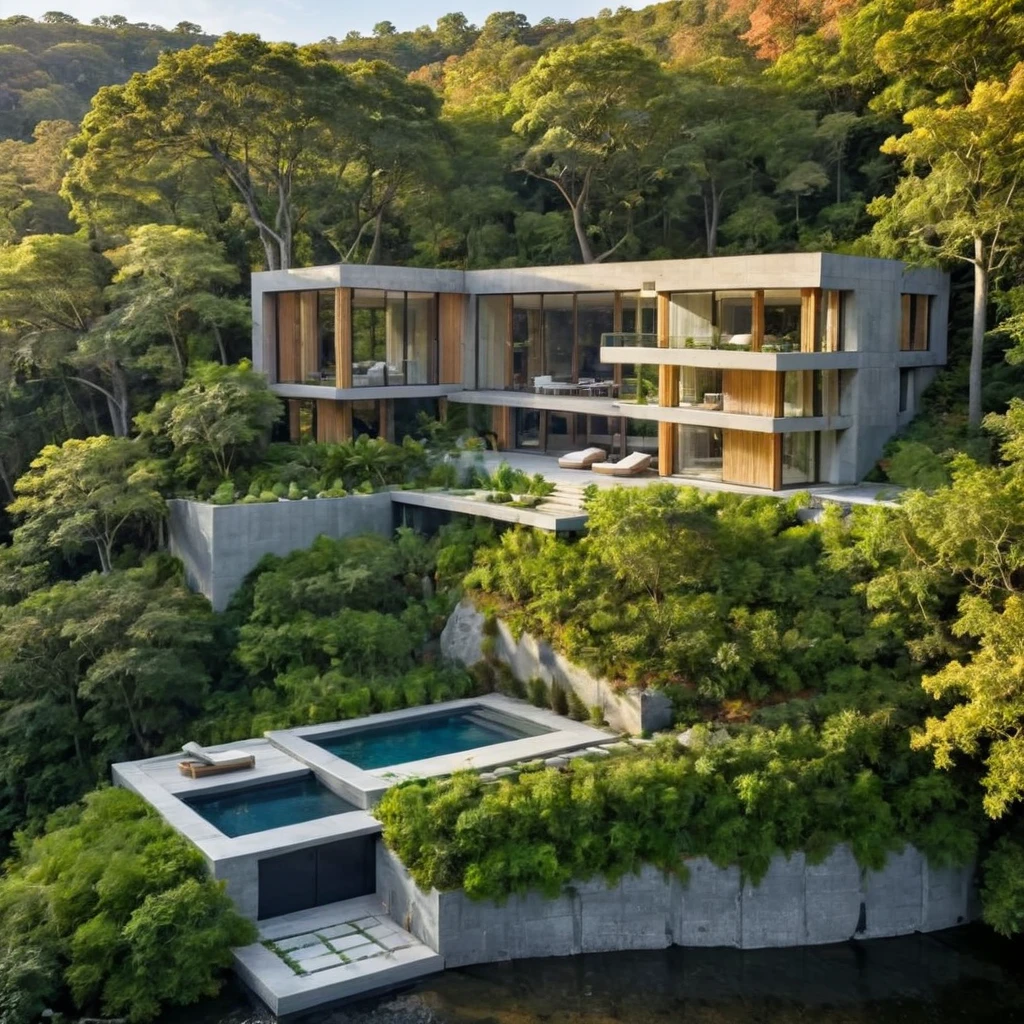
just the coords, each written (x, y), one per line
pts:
(577, 710)
(294, 491)
(279, 490)
(537, 692)
(499, 497)
(596, 715)
(112, 907)
(559, 700)
(249, 499)
(913, 464)
(268, 496)
(224, 495)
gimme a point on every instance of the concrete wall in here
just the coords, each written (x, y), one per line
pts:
(221, 544)
(796, 904)
(632, 710)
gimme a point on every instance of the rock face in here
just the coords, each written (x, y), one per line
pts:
(528, 658)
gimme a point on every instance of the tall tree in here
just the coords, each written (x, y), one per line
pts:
(961, 198)
(264, 113)
(589, 113)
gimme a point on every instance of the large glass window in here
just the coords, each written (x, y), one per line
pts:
(407, 412)
(699, 452)
(595, 315)
(799, 459)
(561, 433)
(527, 428)
(369, 338)
(421, 337)
(558, 337)
(527, 357)
(639, 313)
(642, 436)
(395, 329)
(700, 386)
(325, 317)
(782, 321)
(366, 418)
(734, 318)
(492, 340)
(691, 319)
(802, 393)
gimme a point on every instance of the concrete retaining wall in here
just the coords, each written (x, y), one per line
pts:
(221, 544)
(796, 904)
(632, 710)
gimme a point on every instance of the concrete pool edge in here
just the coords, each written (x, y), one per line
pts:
(365, 786)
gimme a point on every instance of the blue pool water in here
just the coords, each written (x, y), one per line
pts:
(257, 808)
(420, 738)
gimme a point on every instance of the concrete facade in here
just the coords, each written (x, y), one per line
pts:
(221, 544)
(795, 904)
(633, 710)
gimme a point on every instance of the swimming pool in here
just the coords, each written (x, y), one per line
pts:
(239, 812)
(426, 736)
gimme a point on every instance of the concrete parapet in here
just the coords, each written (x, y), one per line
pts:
(221, 544)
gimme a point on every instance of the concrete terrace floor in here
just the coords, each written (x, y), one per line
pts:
(547, 466)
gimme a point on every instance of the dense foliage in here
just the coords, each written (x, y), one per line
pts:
(737, 802)
(111, 911)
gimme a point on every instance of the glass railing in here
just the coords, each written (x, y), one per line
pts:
(721, 342)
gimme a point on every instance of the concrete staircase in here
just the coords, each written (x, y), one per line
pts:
(566, 499)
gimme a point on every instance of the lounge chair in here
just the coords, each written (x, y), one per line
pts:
(582, 459)
(632, 465)
(214, 762)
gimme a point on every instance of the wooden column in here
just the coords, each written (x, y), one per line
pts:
(451, 311)
(757, 321)
(502, 425)
(333, 421)
(343, 338)
(919, 342)
(752, 458)
(666, 448)
(288, 361)
(833, 308)
(905, 301)
(810, 318)
(294, 430)
(663, 300)
(309, 336)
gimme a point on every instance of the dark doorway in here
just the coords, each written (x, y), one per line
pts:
(321, 874)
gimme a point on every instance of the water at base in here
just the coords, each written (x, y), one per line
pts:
(964, 975)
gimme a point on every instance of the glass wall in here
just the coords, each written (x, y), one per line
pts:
(407, 412)
(639, 316)
(782, 320)
(595, 315)
(700, 386)
(691, 319)
(734, 317)
(325, 320)
(801, 393)
(304, 331)
(366, 418)
(421, 334)
(492, 340)
(394, 338)
(527, 355)
(699, 452)
(558, 337)
(799, 458)
(527, 428)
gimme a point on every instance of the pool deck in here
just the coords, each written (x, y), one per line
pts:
(332, 952)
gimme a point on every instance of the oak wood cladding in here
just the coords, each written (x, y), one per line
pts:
(752, 392)
(288, 361)
(450, 316)
(667, 434)
(503, 426)
(833, 317)
(343, 336)
(333, 421)
(294, 421)
(919, 342)
(810, 318)
(668, 386)
(663, 301)
(757, 321)
(752, 459)
(309, 335)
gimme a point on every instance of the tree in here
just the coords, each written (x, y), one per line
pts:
(188, 28)
(58, 18)
(166, 285)
(961, 198)
(268, 115)
(588, 112)
(84, 493)
(219, 419)
(454, 31)
(383, 29)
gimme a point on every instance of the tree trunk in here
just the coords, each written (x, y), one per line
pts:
(6, 480)
(712, 213)
(378, 224)
(977, 334)
(586, 252)
(119, 383)
(220, 345)
(103, 550)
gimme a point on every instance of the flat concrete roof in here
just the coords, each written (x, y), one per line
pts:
(475, 505)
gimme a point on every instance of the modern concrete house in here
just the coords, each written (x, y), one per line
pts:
(764, 371)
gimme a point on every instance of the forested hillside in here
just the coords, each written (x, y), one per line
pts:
(869, 665)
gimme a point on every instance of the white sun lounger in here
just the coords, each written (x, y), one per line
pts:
(632, 465)
(213, 762)
(582, 459)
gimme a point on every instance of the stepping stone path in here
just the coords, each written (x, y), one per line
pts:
(343, 942)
